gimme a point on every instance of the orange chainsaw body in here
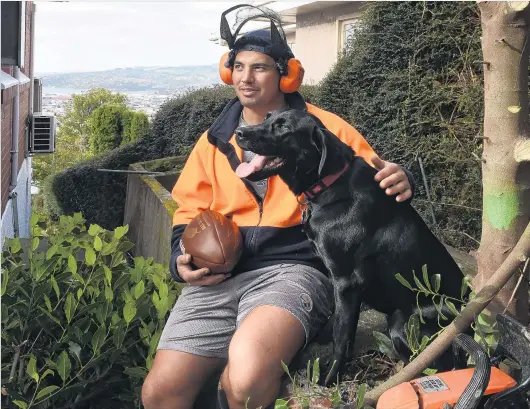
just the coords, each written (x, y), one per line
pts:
(431, 392)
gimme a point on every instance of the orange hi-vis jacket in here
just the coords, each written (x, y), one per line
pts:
(271, 228)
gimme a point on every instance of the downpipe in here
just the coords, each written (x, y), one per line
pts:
(15, 121)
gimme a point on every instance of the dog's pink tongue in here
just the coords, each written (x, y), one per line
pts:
(254, 165)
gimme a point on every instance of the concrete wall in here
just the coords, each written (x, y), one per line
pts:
(149, 210)
(317, 39)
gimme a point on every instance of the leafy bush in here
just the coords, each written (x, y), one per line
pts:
(409, 83)
(139, 127)
(309, 92)
(100, 196)
(80, 325)
(106, 128)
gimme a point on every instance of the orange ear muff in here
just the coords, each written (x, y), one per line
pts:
(295, 75)
(225, 72)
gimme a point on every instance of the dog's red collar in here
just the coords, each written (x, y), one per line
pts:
(324, 183)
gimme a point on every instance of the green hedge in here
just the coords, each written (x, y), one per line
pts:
(409, 84)
(100, 196)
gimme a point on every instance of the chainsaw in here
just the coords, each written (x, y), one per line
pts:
(485, 386)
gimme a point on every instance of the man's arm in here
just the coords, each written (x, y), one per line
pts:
(193, 194)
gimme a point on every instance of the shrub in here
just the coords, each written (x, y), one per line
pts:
(100, 196)
(139, 126)
(106, 128)
(409, 83)
(80, 325)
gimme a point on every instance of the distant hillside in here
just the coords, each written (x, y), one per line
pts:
(161, 79)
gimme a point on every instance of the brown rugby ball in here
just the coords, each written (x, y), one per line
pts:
(213, 241)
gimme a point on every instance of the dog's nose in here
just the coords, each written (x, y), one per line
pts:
(239, 133)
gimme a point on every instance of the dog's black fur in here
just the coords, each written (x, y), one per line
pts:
(363, 236)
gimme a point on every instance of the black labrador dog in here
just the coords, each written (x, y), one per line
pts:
(363, 236)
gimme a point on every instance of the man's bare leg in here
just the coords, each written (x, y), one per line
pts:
(267, 336)
(176, 379)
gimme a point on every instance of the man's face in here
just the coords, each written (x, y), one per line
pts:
(256, 79)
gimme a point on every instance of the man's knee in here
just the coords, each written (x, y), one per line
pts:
(253, 385)
(157, 394)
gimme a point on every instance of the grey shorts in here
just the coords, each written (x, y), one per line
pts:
(204, 319)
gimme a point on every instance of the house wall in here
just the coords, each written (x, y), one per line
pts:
(23, 191)
(23, 188)
(8, 96)
(317, 39)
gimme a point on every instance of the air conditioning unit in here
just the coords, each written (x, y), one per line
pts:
(43, 129)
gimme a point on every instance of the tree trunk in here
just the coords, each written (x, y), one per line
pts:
(506, 166)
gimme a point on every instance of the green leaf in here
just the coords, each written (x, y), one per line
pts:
(46, 373)
(129, 311)
(139, 289)
(108, 276)
(20, 404)
(286, 369)
(384, 344)
(136, 372)
(98, 338)
(5, 280)
(79, 293)
(51, 251)
(464, 287)
(436, 281)
(514, 109)
(15, 245)
(46, 391)
(124, 278)
(64, 366)
(49, 315)
(31, 369)
(125, 246)
(360, 395)
(451, 307)
(48, 303)
(97, 243)
(281, 404)
(119, 336)
(419, 284)
(424, 342)
(120, 231)
(78, 278)
(403, 281)
(316, 371)
(109, 295)
(90, 256)
(94, 229)
(153, 343)
(72, 264)
(163, 291)
(430, 371)
(55, 286)
(34, 219)
(69, 307)
(426, 276)
(35, 243)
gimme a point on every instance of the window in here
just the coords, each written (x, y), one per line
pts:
(347, 31)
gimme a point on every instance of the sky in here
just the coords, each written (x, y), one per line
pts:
(75, 36)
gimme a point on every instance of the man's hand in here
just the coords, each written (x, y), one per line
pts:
(197, 277)
(393, 179)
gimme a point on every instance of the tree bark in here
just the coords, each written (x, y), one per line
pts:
(505, 168)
